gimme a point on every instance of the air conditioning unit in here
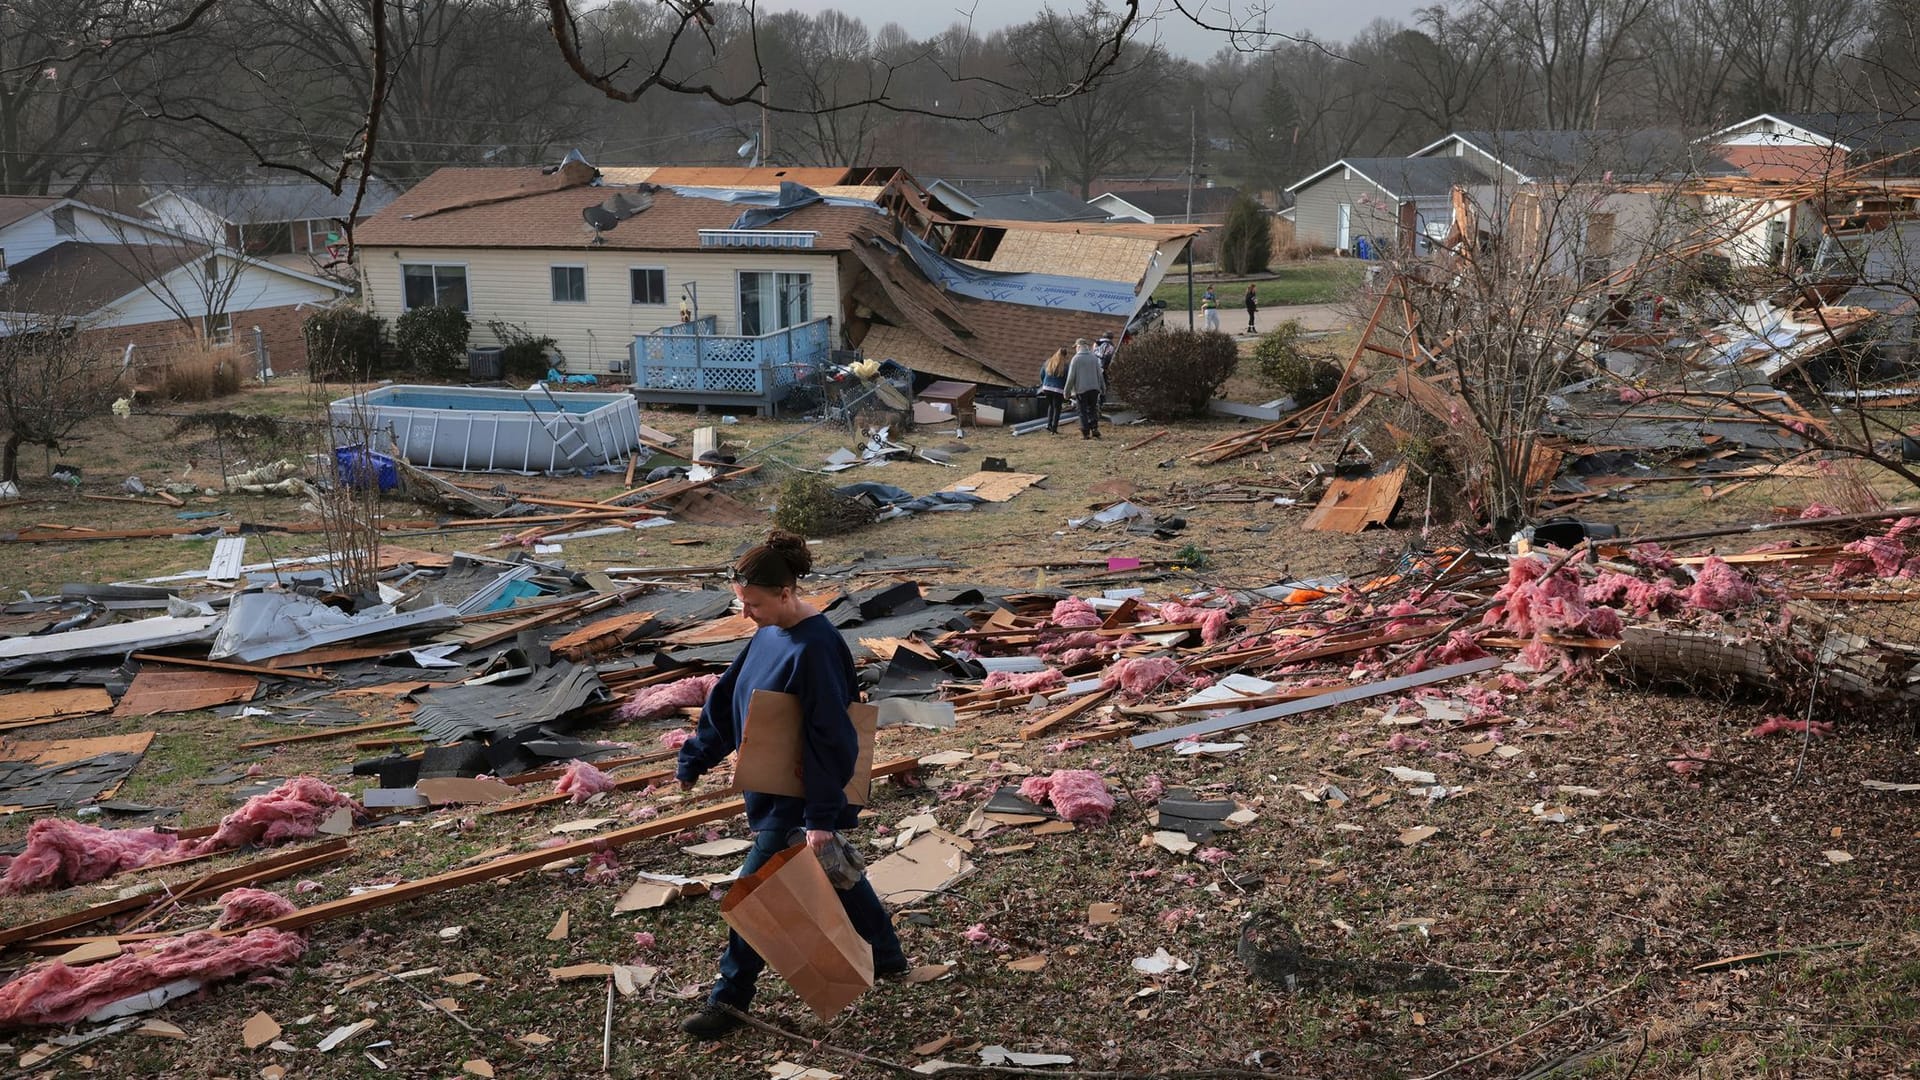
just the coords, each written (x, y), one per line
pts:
(617, 367)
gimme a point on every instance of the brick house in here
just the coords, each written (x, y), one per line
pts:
(129, 282)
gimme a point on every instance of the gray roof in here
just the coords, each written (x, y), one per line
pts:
(1172, 202)
(1638, 154)
(260, 202)
(1054, 205)
(1870, 133)
(1418, 178)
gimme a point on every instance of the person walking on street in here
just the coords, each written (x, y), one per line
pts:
(1253, 305)
(1085, 382)
(1053, 387)
(1210, 303)
(797, 651)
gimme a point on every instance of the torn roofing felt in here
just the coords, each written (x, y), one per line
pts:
(545, 697)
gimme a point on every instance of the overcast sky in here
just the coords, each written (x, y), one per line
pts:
(1327, 19)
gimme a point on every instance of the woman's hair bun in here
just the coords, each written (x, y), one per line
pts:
(794, 547)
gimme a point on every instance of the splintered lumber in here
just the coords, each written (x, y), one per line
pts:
(1353, 503)
(1065, 713)
(1153, 438)
(1249, 717)
(271, 868)
(326, 733)
(1246, 442)
(238, 669)
(1359, 350)
(509, 865)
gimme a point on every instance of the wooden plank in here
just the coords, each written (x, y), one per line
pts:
(270, 868)
(508, 865)
(1353, 503)
(326, 733)
(1065, 713)
(46, 706)
(243, 669)
(1276, 712)
(156, 690)
(1153, 438)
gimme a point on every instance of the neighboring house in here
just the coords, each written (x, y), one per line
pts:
(1038, 205)
(1167, 205)
(777, 266)
(1810, 157)
(126, 281)
(1380, 204)
(266, 218)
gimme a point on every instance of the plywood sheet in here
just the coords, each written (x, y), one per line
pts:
(1353, 503)
(46, 706)
(159, 690)
(998, 486)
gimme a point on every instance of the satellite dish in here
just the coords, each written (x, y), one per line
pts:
(600, 218)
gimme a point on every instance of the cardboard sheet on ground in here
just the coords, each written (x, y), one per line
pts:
(791, 915)
(998, 486)
(770, 744)
(923, 867)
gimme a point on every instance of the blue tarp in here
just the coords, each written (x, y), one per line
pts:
(1032, 290)
(900, 499)
(792, 197)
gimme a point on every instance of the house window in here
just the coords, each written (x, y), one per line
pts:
(649, 284)
(772, 301)
(63, 221)
(433, 285)
(569, 284)
(218, 327)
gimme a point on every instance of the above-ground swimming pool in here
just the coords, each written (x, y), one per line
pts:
(468, 428)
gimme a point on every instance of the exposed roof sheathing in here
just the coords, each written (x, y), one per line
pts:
(1106, 258)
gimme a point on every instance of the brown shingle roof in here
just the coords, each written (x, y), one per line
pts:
(77, 278)
(20, 207)
(522, 208)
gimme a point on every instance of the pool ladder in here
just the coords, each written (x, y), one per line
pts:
(563, 429)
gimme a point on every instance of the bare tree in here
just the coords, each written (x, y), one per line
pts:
(1577, 50)
(52, 378)
(1088, 134)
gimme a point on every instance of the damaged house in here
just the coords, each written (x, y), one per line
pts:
(726, 286)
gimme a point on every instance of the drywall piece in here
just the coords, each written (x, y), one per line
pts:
(998, 486)
(444, 790)
(1247, 717)
(375, 798)
(918, 870)
(938, 715)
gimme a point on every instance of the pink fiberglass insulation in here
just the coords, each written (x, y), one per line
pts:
(1074, 613)
(1719, 587)
(244, 907)
(1534, 602)
(1078, 795)
(61, 853)
(53, 993)
(1212, 620)
(1139, 676)
(292, 811)
(1819, 510)
(1615, 589)
(675, 738)
(1775, 725)
(1024, 682)
(1078, 640)
(582, 781)
(654, 702)
(1652, 556)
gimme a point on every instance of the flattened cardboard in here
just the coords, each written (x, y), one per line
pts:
(788, 911)
(442, 790)
(769, 755)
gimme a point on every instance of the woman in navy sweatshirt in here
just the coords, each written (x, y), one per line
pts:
(796, 651)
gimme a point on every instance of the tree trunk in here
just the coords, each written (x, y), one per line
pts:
(10, 459)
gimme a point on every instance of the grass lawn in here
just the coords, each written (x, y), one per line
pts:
(1315, 281)
(1573, 883)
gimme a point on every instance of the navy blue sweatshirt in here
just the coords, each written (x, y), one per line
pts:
(810, 661)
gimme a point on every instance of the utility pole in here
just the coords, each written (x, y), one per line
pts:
(1193, 156)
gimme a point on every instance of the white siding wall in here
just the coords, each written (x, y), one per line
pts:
(515, 286)
(255, 289)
